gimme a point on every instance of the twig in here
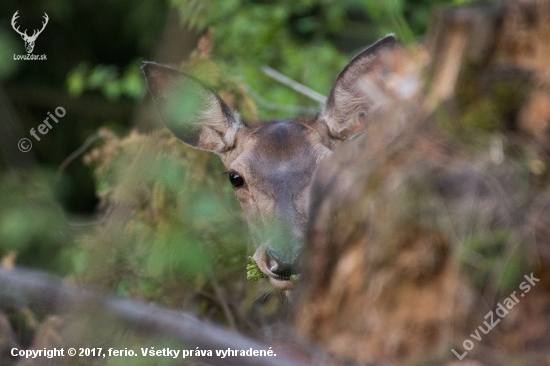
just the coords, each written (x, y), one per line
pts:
(42, 291)
(294, 109)
(75, 154)
(300, 88)
(220, 296)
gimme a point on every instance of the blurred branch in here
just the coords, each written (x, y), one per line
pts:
(221, 298)
(294, 109)
(302, 89)
(42, 291)
(75, 154)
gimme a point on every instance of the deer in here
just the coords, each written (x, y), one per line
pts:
(29, 40)
(270, 164)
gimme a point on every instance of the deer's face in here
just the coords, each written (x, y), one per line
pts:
(271, 174)
(29, 44)
(270, 164)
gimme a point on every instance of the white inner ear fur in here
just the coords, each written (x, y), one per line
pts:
(352, 97)
(346, 111)
(218, 133)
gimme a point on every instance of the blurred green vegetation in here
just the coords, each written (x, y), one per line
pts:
(146, 216)
(172, 225)
(106, 79)
(308, 40)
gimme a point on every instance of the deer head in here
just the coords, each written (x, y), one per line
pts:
(270, 164)
(29, 40)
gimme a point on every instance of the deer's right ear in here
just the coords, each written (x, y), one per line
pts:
(347, 109)
(192, 110)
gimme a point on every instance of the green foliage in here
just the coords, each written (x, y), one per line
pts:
(106, 79)
(253, 272)
(32, 224)
(174, 223)
(299, 38)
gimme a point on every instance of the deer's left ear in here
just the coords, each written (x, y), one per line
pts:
(192, 110)
(347, 108)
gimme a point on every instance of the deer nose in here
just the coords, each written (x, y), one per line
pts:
(282, 266)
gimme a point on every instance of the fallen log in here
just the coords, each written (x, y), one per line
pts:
(42, 292)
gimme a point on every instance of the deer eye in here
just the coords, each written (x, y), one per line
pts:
(235, 179)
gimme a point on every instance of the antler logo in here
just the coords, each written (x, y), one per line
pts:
(29, 40)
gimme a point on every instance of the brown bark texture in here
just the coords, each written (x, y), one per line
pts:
(423, 225)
